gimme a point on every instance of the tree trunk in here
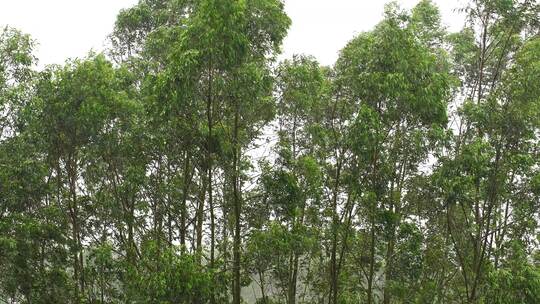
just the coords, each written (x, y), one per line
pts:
(209, 160)
(78, 263)
(237, 213)
(200, 219)
(371, 264)
(334, 275)
(183, 211)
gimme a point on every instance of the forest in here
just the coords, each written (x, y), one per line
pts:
(188, 164)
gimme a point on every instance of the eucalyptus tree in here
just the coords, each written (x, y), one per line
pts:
(208, 60)
(303, 85)
(329, 138)
(74, 103)
(143, 39)
(291, 184)
(16, 74)
(481, 180)
(401, 88)
(238, 38)
(115, 180)
(32, 252)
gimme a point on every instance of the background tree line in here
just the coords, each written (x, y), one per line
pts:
(186, 163)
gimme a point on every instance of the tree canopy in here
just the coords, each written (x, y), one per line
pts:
(187, 164)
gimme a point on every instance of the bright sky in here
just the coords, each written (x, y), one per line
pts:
(70, 28)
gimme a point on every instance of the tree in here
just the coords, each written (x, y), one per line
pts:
(189, 166)
(479, 170)
(400, 85)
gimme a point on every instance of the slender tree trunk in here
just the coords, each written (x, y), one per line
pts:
(388, 268)
(200, 219)
(334, 275)
(294, 279)
(372, 207)
(185, 194)
(209, 159)
(371, 266)
(395, 208)
(131, 233)
(295, 221)
(263, 290)
(212, 221)
(237, 212)
(78, 263)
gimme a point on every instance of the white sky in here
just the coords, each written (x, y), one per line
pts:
(70, 28)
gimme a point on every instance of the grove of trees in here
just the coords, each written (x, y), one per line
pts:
(187, 164)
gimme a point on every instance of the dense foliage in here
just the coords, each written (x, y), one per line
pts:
(186, 165)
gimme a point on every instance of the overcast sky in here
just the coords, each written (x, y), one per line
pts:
(70, 28)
